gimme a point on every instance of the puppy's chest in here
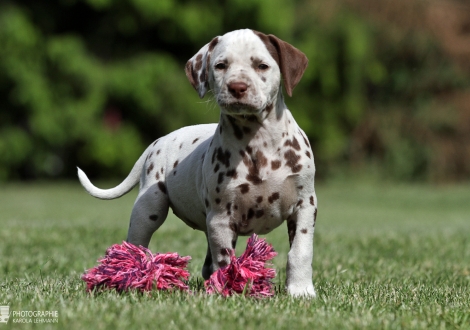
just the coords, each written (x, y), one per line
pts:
(255, 188)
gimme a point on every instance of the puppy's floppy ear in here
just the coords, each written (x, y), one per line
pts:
(292, 62)
(197, 68)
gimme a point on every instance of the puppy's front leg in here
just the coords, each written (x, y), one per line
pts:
(300, 227)
(222, 238)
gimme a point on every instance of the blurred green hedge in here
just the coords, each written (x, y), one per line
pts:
(93, 82)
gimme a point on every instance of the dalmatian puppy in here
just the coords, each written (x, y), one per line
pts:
(248, 173)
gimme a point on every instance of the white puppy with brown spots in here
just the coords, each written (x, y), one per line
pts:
(244, 175)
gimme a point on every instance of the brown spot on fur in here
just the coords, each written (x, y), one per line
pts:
(292, 161)
(153, 217)
(306, 141)
(311, 200)
(190, 68)
(213, 43)
(224, 252)
(273, 197)
(300, 187)
(195, 140)
(254, 165)
(269, 108)
(228, 207)
(158, 151)
(303, 231)
(250, 214)
(162, 187)
(293, 143)
(203, 76)
(149, 169)
(262, 160)
(217, 189)
(254, 178)
(224, 157)
(181, 145)
(206, 71)
(259, 214)
(300, 202)
(263, 79)
(216, 168)
(222, 263)
(275, 164)
(157, 175)
(232, 173)
(155, 142)
(259, 199)
(244, 188)
(217, 200)
(198, 64)
(308, 154)
(220, 179)
(175, 164)
(161, 170)
(213, 156)
(236, 129)
(206, 202)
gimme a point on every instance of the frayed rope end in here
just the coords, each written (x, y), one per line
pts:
(246, 274)
(126, 266)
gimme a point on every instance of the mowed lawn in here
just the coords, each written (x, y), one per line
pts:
(386, 257)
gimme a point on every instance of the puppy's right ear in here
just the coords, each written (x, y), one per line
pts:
(197, 68)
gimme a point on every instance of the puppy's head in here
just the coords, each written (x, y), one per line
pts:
(243, 68)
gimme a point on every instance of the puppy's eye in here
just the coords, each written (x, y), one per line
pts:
(263, 66)
(220, 66)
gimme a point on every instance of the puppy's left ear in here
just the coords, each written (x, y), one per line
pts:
(197, 68)
(292, 62)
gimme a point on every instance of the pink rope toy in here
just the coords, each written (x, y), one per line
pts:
(127, 266)
(246, 274)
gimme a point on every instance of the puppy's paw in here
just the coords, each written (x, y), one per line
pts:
(302, 291)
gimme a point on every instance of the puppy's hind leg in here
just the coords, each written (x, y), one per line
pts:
(207, 268)
(149, 212)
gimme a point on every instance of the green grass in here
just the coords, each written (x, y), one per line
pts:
(386, 257)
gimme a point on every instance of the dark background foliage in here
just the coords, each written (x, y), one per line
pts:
(92, 82)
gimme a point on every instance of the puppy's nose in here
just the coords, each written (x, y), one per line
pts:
(237, 89)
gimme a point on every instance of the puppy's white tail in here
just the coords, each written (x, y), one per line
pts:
(123, 188)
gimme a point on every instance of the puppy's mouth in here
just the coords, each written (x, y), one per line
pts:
(239, 108)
